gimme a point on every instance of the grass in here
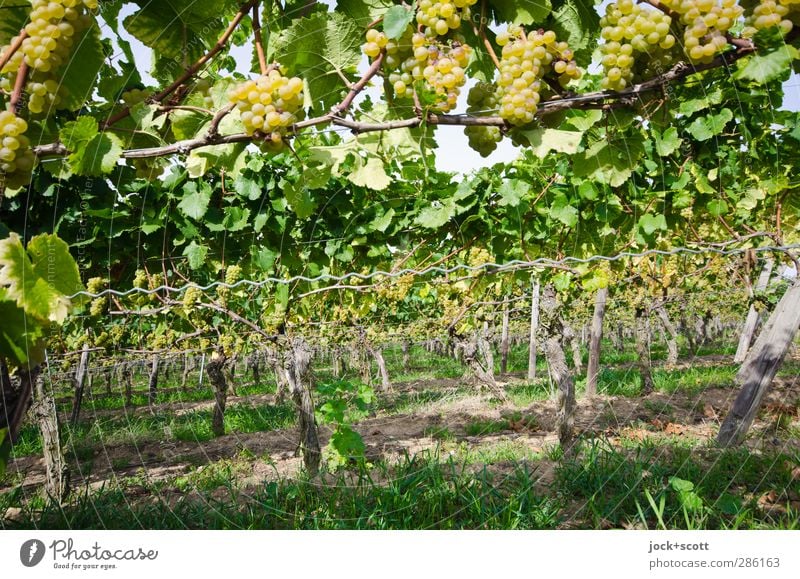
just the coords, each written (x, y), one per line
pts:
(421, 492)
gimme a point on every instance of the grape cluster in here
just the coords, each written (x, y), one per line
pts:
(203, 87)
(51, 32)
(481, 101)
(233, 274)
(769, 13)
(707, 23)
(439, 17)
(376, 41)
(396, 289)
(525, 60)
(94, 286)
(191, 296)
(269, 104)
(629, 28)
(16, 156)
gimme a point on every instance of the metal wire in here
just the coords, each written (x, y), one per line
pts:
(513, 265)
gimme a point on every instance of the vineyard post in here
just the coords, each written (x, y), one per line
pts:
(504, 340)
(762, 363)
(152, 384)
(750, 323)
(79, 381)
(595, 339)
(46, 416)
(533, 330)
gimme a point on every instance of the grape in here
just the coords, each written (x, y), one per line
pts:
(481, 101)
(16, 157)
(439, 17)
(769, 13)
(525, 60)
(628, 28)
(53, 27)
(268, 105)
(191, 296)
(233, 274)
(203, 87)
(706, 23)
(95, 285)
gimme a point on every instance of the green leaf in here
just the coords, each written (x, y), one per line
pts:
(196, 253)
(300, 200)
(690, 106)
(650, 223)
(396, 20)
(98, 157)
(703, 128)
(765, 68)
(363, 11)
(371, 174)
(247, 188)
(543, 141)
(521, 11)
(347, 443)
(321, 47)
(436, 214)
(20, 334)
(577, 23)
(236, 218)
(75, 134)
(610, 162)
(5, 450)
(382, 222)
(561, 210)
(195, 201)
(35, 286)
(263, 258)
(512, 191)
(667, 142)
(78, 77)
(717, 207)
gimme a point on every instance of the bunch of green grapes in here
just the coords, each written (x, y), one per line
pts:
(525, 60)
(478, 256)
(439, 17)
(16, 157)
(94, 286)
(376, 42)
(269, 105)
(707, 23)
(203, 87)
(444, 71)
(191, 296)
(629, 28)
(233, 274)
(53, 27)
(482, 101)
(140, 279)
(768, 13)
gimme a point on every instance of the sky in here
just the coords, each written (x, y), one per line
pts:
(454, 154)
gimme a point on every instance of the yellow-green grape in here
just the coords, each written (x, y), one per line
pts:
(51, 32)
(768, 13)
(191, 296)
(629, 28)
(482, 101)
(95, 285)
(706, 24)
(203, 87)
(233, 274)
(438, 17)
(44, 95)
(525, 60)
(376, 42)
(227, 343)
(269, 105)
(478, 256)
(16, 157)
(117, 333)
(101, 339)
(98, 306)
(140, 279)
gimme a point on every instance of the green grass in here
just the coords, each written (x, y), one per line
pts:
(484, 427)
(422, 492)
(144, 427)
(611, 486)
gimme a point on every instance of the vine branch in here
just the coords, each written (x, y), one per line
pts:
(13, 47)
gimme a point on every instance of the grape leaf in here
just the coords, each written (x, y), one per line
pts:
(717, 207)
(19, 333)
(542, 141)
(396, 21)
(196, 254)
(76, 134)
(578, 24)
(321, 48)
(78, 76)
(299, 199)
(561, 210)
(195, 201)
(703, 128)
(767, 67)
(512, 191)
(521, 11)
(667, 142)
(370, 174)
(649, 223)
(247, 188)
(436, 214)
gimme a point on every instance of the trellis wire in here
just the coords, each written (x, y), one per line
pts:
(513, 265)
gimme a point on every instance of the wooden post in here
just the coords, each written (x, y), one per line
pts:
(534, 328)
(297, 370)
(79, 381)
(152, 385)
(595, 338)
(504, 340)
(44, 412)
(642, 336)
(760, 366)
(216, 376)
(751, 321)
